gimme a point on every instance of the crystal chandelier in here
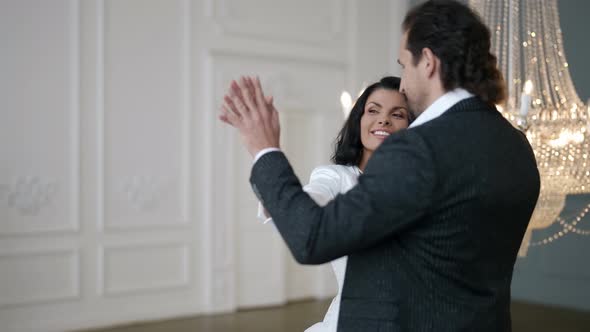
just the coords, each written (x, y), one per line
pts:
(542, 101)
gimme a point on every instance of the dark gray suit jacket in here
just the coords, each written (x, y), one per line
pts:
(432, 229)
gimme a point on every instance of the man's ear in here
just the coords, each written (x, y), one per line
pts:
(430, 62)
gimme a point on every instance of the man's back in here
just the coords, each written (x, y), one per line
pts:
(451, 271)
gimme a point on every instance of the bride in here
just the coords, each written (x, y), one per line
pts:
(379, 111)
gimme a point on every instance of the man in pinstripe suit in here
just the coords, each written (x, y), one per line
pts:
(433, 227)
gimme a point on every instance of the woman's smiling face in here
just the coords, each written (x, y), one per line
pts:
(386, 112)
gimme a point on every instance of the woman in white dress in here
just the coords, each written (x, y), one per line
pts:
(378, 112)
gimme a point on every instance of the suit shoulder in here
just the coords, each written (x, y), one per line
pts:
(414, 138)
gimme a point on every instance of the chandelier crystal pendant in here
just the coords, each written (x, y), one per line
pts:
(542, 102)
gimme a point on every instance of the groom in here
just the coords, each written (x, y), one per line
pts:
(434, 225)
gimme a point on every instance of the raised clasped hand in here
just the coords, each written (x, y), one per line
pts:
(247, 109)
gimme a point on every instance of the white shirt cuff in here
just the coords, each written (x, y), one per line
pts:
(261, 216)
(263, 152)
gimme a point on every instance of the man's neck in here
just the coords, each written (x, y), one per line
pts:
(435, 91)
(440, 105)
(431, 99)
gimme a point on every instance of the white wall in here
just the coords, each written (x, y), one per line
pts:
(122, 198)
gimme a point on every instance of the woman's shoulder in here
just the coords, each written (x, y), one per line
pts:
(332, 179)
(336, 171)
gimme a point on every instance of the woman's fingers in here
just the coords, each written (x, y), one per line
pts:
(235, 90)
(228, 102)
(259, 94)
(239, 107)
(250, 87)
(248, 98)
(269, 100)
(246, 101)
(246, 108)
(228, 116)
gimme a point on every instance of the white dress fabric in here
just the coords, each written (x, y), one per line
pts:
(325, 183)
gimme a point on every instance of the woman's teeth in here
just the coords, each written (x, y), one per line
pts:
(380, 133)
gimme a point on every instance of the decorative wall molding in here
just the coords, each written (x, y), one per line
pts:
(324, 30)
(141, 268)
(143, 193)
(38, 277)
(48, 198)
(75, 115)
(28, 195)
(146, 193)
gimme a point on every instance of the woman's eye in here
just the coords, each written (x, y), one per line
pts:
(373, 111)
(399, 115)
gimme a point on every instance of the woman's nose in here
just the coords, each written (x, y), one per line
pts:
(384, 122)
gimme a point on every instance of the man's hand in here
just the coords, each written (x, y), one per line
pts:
(246, 108)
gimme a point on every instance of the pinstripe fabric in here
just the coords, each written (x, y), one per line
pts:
(432, 229)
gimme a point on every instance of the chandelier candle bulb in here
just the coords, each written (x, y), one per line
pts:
(525, 98)
(346, 102)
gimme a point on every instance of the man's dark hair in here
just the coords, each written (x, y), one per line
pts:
(349, 148)
(460, 39)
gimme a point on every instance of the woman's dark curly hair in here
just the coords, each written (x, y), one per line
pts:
(349, 148)
(459, 38)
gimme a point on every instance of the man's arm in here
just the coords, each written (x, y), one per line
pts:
(324, 184)
(393, 193)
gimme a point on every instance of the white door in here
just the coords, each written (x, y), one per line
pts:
(122, 198)
(306, 52)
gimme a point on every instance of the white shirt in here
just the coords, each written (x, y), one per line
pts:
(441, 105)
(263, 152)
(436, 109)
(325, 183)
